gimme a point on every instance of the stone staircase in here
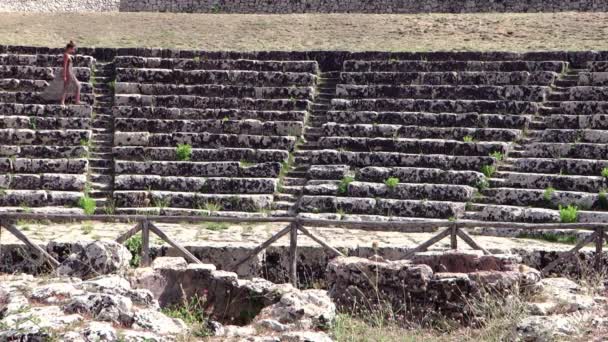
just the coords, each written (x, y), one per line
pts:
(285, 201)
(101, 168)
(532, 134)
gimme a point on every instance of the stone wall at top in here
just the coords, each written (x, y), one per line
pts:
(59, 5)
(361, 6)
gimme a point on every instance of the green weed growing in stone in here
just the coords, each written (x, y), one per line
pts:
(183, 152)
(192, 312)
(499, 156)
(87, 204)
(216, 226)
(482, 184)
(605, 172)
(603, 199)
(33, 125)
(212, 207)
(87, 228)
(245, 163)
(391, 182)
(488, 170)
(344, 182)
(548, 194)
(161, 202)
(134, 245)
(548, 236)
(568, 214)
(468, 139)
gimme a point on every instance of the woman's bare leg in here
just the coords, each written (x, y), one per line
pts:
(63, 98)
(78, 96)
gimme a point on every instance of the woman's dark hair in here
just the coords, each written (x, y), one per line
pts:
(70, 45)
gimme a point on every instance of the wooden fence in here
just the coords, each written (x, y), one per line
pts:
(296, 225)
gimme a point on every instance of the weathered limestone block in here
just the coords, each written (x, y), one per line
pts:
(94, 258)
(439, 281)
(216, 64)
(536, 197)
(14, 84)
(438, 66)
(390, 207)
(25, 122)
(362, 159)
(575, 136)
(306, 310)
(214, 90)
(438, 192)
(237, 77)
(590, 167)
(565, 150)
(178, 168)
(328, 188)
(560, 182)
(102, 307)
(327, 171)
(398, 131)
(467, 92)
(253, 127)
(43, 60)
(200, 154)
(419, 175)
(541, 78)
(21, 165)
(43, 137)
(423, 146)
(45, 110)
(437, 106)
(593, 78)
(584, 107)
(261, 170)
(40, 151)
(429, 119)
(190, 101)
(196, 184)
(208, 140)
(226, 202)
(202, 114)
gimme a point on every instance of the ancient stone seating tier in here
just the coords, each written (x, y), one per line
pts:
(412, 139)
(43, 147)
(241, 119)
(561, 164)
(23, 77)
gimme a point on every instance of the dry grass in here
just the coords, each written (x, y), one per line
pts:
(355, 32)
(501, 314)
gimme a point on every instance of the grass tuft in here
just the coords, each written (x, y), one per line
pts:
(183, 152)
(135, 246)
(488, 170)
(391, 182)
(568, 214)
(87, 204)
(192, 312)
(343, 186)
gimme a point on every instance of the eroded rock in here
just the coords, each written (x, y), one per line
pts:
(95, 258)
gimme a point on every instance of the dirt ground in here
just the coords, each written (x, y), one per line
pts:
(355, 32)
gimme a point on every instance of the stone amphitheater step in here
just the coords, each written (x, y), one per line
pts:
(103, 163)
(291, 181)
(537, 125)
(285, 197)
(282, 205)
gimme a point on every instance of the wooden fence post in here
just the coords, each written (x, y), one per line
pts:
(145, 243)
(293, 254)
(599, 245)
(454, 237)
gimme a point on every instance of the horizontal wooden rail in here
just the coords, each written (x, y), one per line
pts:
(452, 228)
